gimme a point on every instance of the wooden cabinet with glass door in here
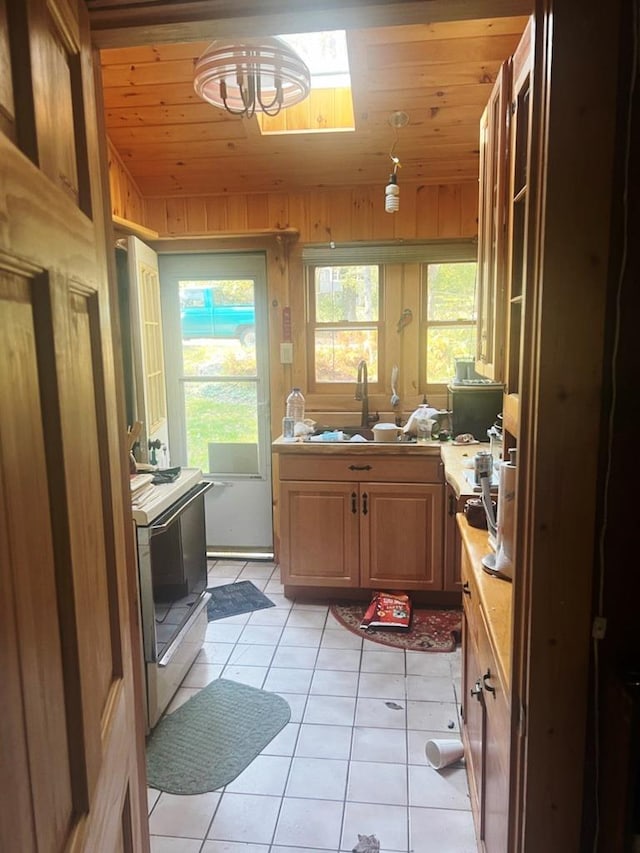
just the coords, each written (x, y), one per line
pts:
(492, 229)
(518, 202)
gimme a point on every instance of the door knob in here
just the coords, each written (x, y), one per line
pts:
(476, 690)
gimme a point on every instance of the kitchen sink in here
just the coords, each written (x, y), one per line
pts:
(348, 431)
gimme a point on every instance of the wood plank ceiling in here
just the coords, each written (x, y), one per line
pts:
(439, 74)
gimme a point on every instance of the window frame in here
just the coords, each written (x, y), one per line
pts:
(395, 260)
(328, 388)
(437, 388)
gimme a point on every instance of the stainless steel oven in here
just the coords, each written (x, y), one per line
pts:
(172, 575)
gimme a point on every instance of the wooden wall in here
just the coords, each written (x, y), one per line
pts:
(126, 199)
(342, 215)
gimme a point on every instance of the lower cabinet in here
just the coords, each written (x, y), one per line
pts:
(486, 717)
(366, 529)
(452, 553)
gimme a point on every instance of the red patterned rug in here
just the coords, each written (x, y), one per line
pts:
(431, 630)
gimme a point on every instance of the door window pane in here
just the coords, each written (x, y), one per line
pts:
(219, 412)
(217, 321)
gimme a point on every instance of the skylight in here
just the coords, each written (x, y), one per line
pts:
(326, 57)
(329, 107)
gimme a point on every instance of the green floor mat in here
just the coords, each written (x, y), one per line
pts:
(213, 737)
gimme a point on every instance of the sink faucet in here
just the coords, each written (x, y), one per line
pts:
(362, 393)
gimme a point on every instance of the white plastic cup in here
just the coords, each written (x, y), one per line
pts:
(424, 428)
(442, 753)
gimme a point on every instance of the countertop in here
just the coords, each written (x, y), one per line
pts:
(453, 456)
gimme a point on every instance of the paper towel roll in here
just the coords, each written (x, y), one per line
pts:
(506, 518)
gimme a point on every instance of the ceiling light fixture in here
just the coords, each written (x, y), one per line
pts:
(392, 190)
(256, 75)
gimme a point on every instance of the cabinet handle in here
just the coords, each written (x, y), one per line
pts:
(359, 467)
(485, 679)
(354, 507)
(452, 506)
(466, 588)
(476, 690)
(365, 508)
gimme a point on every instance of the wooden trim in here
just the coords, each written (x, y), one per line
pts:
(120, 24)
(124, 226)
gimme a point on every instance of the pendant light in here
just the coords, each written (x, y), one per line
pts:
(254, 75)
(392, 190)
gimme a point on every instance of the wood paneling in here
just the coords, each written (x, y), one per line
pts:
(126, 201)
(439, 74)
(342, 215)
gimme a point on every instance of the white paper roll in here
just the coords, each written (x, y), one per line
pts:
(506, 518)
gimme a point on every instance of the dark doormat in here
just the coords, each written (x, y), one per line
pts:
(205, 743)
(235, 598)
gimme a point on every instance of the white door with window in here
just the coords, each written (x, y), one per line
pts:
(214, 309)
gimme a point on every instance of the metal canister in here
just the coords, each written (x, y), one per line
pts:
(482, 465)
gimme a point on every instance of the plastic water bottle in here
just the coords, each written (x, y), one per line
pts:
(295, 405)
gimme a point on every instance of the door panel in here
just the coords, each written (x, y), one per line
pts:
(401, 535)
(147, 349)
(70, 737)
(319, 534)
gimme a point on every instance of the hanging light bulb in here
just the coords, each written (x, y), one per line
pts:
(392, 190)
(392, 195)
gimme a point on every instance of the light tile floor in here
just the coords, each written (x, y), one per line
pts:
(352, 759)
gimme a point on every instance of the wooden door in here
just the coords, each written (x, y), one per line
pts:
(401, 544)
(319, 525)
(71, 737)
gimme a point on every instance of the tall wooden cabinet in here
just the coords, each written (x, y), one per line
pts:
(488, 720)
(362, 520)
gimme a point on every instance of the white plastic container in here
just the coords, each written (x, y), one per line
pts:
(295, 406)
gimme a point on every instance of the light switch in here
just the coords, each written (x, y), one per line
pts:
(286, 353)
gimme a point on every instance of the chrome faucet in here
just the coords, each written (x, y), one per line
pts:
(362, 393)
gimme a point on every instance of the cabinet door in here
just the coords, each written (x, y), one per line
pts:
(474, 722)
(452, 544)
(497, 736)
(520, 141)
(319, 534)
(492, 229)
(401, 535)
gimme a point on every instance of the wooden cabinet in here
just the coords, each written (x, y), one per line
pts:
(492, 229)
(486, 701)
(518, 200)
(452, 558)
(361, 521)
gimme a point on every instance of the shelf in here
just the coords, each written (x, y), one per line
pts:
(125, 226)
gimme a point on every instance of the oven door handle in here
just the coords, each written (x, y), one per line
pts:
(175, 643)
(158, 528)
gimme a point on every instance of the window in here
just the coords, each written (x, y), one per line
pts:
(449, 319)
(345, 322)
